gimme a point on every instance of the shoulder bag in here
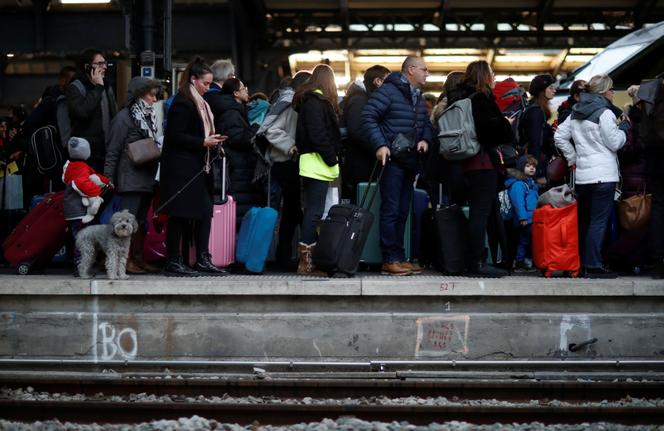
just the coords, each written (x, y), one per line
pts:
(143, 151)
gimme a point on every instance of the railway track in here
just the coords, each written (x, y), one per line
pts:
(481, 396)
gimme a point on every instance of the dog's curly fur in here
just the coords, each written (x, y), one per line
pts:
(112, 239)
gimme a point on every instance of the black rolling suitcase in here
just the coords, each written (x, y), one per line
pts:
(343, 234)
(447, 228)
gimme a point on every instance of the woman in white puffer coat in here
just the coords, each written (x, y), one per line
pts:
(598, 130)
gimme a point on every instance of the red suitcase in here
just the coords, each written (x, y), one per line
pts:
(154, 246)
(222, 231)
(41, 233)
(556, 240)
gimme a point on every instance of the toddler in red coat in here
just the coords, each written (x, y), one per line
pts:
(80, 177)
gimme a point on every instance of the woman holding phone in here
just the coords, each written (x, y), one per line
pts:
(190, 145)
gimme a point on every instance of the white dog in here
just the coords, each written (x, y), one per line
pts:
(113, 239)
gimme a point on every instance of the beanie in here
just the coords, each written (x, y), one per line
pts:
(79, 148)
(521, 163)
(539, 84)
(139, 85)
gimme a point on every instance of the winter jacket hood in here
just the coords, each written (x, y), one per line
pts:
(591, 106)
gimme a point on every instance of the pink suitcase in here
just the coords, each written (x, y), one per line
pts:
(222, 231)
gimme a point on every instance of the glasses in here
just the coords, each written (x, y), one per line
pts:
(244, 89)
(100, 64)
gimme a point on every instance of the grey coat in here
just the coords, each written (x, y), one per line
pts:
(118, 168)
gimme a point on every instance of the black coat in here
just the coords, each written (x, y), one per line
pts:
(318, 128)
(85, 114)
(360, 155)
(230, 119)
(183, 157)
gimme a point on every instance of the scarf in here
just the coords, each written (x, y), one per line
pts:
(207, 118)
(144, 117)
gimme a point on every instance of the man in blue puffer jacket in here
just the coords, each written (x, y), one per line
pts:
(397, 108)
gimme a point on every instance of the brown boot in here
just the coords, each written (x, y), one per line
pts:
(305, 265)
(139, 239)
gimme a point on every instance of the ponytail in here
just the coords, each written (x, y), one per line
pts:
(196, 68)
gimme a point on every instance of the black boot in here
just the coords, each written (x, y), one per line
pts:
(481, 269)
(175, 267)
(203, 264)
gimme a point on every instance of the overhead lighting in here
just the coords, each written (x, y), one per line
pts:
(10, 55)
(85, 1)
(522, 59)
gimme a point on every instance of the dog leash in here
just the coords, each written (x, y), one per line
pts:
(205, 169)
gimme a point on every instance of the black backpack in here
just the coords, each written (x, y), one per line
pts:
(47, 150)
(651, 127)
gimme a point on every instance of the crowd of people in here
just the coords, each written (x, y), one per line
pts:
(293, 145)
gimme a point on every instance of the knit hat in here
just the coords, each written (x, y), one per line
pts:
(79, 148)
(539, 84)
(522, 161)
(139, 85)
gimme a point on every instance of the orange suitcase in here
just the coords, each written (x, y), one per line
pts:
(556, 240)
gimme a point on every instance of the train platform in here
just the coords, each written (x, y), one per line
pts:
(285, 318)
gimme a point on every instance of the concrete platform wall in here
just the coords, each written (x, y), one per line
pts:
(372, 318)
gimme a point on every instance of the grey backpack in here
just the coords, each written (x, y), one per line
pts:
(457, 137)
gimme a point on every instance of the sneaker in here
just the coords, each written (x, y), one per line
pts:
(481, 269)
(600, 273)
(395, 268)
(412, 267)
(522, 266)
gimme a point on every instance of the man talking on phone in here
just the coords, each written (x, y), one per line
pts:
(91, 105)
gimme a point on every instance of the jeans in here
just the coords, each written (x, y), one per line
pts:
(314, 205)
(523, 249)
(482, 202)
(656, 184)
(595, 202)
(396, 194)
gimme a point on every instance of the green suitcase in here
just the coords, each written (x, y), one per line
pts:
(371, 255)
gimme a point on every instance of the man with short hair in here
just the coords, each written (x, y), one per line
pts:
(396, 112)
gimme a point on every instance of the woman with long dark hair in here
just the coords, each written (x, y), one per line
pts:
(186, 181)
(318, 141)
(537, 132)
(481, 175)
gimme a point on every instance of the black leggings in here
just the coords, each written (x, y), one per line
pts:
(179, 228)
(482, 200)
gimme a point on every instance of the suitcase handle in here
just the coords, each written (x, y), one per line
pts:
(371, 177)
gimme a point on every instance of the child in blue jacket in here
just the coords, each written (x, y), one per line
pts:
(523, 192)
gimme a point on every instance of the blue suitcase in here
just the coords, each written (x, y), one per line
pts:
(256, 235)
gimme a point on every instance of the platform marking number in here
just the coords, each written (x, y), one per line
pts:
(124, 342)
(445, 286)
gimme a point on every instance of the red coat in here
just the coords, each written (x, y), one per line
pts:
(78, 175)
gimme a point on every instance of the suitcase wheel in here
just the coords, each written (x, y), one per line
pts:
(574, 274)
(23, 268)
(547, 274)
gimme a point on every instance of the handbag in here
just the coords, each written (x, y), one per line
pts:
(557, 169)
(401, 147)
(143, 151)
(504, 156)
(634, 211)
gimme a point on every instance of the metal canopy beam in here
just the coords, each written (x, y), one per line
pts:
(457, 27)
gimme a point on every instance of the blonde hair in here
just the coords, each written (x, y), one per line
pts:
(599, 84)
